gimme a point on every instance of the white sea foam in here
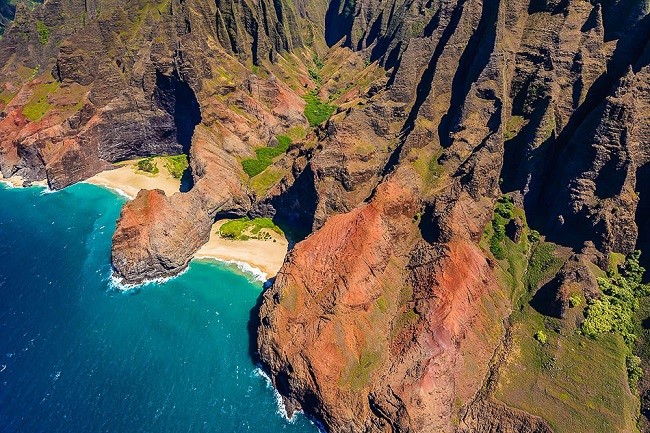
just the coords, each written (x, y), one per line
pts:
(47, 190)
(282, 409)
(247, 268)
(12, 185)
(113, 189)
(119, 191)
(117, 283)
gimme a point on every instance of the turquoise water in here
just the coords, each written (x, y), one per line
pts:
(77, 355)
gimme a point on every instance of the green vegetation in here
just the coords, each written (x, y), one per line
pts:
(502, 215)
(614, 311)
(243, 229)
(359, 375)
(317, 111)
(43, 32)
(575, 300)
(315, 72)
(6, 96)
(296, 133)
(542, 262)
(512, 127)
(176, 165)
(550, 370)
(404, 320)
(148, 165)
(265, 156)
(266, 180)
(571, 381)
(382, 303)
(38, 104)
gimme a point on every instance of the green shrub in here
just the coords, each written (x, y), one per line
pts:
(615, 310)
(542, 261)
(504, 207)
(541, 337)
(634, 370)
(43, 32)
(317, 111)
(502, 215)
(176, 165)
(148, 165)
(575, 300)
(314, 74)
(265, 156)
(533, 236)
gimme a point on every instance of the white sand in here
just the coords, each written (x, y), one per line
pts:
(128, 181)
(268, 256)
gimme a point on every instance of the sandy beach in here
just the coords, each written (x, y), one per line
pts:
(267, 256)
(128, 181)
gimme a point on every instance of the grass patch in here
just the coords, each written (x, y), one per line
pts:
(382, 304)
(575, 383)
(176, 165)
(359, 374)
(266, 180)
(296, 133)
(317, 111)
(38, 105)
(243, 229)
(6, 96)
(542, 264)
(147, 165)
(512, 127)
(265, 156)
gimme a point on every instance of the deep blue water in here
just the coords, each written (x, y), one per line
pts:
(77, 355)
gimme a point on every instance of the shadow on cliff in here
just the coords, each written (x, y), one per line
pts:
(642, 216)
(545, 299)
(177, 98)
(339, 19)
(254, 323)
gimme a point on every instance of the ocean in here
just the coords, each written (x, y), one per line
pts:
(79, 355)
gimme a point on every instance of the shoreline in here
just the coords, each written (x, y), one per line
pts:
(262, 259)
(19, 182)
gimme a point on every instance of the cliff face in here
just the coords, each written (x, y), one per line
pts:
(393, 315)
(87, 84)
(374, 328)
